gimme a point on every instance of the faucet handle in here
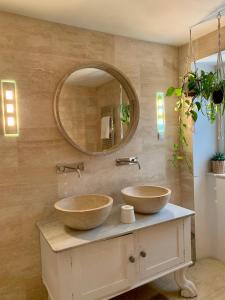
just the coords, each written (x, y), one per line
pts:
(68, 168)
(80, 166)
(133, 160)
(78, 172)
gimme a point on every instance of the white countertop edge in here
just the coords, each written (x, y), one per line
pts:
(60, 237)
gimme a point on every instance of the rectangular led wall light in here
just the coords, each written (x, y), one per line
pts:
(160, 107)
(9, 108)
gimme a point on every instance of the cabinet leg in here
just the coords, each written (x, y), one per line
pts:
(188, 288)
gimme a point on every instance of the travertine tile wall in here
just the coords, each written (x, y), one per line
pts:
(37, 54)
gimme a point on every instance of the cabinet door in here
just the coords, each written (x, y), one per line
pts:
(162, 246)
(103, 268)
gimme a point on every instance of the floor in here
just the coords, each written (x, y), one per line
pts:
(208, 275)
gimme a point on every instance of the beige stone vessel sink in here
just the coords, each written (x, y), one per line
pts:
(146, 199)
(84, 212)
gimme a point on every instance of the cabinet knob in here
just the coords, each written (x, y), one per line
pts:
(132, 259)
(143, 254)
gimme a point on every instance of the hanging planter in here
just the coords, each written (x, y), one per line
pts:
(218, 95)
(191, 85)
(218, 92)
(200, 92)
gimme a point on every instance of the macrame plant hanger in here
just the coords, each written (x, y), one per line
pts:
(190, 67)
(220, 74)
(191, 57)
(219, 77)
(219, 67)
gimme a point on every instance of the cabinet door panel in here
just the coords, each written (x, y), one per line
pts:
(164, 248)
(103, 268)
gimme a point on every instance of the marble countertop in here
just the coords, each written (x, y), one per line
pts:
(60, 237)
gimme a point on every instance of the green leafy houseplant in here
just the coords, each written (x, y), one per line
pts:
(218, 157)
(218, 163)
(125, 113)
(199, 93)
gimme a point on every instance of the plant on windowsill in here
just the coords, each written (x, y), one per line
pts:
(218, 163)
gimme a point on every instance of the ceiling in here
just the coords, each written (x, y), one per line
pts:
(160, 21)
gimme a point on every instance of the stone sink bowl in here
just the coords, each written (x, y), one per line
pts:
(84, 212)
(146, 199)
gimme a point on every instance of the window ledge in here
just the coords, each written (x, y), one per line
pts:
(216, 175)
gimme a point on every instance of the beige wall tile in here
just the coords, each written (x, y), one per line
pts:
(37, 54)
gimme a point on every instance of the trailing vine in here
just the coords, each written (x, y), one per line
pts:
(199, 93)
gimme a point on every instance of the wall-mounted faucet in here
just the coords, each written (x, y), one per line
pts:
(69, 168)
(128, 161)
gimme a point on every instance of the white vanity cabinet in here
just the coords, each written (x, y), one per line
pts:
(100, 264)
(162, 247)
(102, 269)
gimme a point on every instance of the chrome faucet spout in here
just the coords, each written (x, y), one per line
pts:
(139, 166)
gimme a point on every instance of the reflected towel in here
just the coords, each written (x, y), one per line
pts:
(105, 127)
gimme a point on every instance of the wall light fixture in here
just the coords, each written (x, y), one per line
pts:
(9, 108)
(160, 107)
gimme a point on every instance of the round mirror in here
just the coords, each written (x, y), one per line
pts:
(96, 109)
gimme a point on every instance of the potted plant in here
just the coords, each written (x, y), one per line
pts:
(218, 93)
(191, 84)
(218, 163)
(125, 113)
(200, 92)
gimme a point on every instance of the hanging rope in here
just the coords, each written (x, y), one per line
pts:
(220, 67)
(190, 57)
(220, 76)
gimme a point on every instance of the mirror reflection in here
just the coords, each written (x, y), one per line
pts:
(94, 110)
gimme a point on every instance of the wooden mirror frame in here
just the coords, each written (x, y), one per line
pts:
(131, 94)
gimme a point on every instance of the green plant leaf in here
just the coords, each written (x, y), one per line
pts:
(194, 115)
(218, 157)
(178, 92)
(198, 104)
(184, 141)
(179, 157)
(170, 91)
(125, 113)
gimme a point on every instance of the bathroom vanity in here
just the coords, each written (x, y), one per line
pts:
(113, 258)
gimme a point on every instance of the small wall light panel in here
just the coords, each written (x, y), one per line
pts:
(160, 107)
(9, 108)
